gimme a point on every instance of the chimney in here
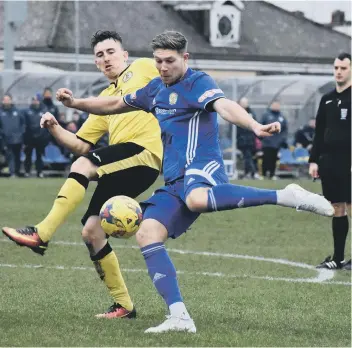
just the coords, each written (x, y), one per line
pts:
(337, 18)
(298, 14)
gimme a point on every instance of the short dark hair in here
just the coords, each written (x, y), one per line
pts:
(170, 40)
(344, 55)
(101, 35)
(48, 89)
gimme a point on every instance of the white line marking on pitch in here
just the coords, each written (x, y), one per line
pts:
(209, 274)
(322, 276)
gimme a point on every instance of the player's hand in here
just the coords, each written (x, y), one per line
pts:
(267, 130)
(313, 170)
(48, 120)
(65, 96)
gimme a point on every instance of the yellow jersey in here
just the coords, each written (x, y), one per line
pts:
(138, 126)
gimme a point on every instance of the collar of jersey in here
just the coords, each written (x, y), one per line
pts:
(117, 80)
(345, 91)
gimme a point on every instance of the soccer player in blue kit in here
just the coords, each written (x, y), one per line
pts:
(186, 103)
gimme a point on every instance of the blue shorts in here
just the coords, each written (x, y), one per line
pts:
(167, 205)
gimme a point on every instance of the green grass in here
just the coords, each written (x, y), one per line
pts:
(51, 306)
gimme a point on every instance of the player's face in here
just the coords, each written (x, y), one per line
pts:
(342, 71)
(110, 58)
(171, 65)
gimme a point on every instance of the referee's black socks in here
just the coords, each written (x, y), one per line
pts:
(339, 232)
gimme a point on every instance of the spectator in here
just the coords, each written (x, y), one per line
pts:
(35, 137)
(62, 120)
(48, 104)
(304, 136)
(82, 118)
(12, 128)
(271, 145)
(72, 127)
(246, 144)
(75, 118)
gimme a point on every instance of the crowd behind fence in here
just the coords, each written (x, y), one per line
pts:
(291, 100)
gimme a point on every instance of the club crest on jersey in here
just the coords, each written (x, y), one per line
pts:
(209, 94)
(173, 98)
(133, 95)
(127, 76)
(343, 114)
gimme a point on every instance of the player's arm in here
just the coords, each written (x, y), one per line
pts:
(63, 136)
(94, 105)
(235, 114)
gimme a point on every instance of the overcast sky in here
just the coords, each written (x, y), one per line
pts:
(319, 10)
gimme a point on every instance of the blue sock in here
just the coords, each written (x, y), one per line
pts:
(228, 196)
(162, 272)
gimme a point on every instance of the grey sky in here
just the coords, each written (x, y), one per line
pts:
(319, 10)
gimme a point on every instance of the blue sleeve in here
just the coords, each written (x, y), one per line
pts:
(139, 99)
(204, 92)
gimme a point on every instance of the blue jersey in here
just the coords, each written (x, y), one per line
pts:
(188, 123)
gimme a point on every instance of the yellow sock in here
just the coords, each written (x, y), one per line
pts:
(69, 197)
(109, 271)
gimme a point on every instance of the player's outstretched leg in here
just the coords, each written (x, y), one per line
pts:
(228, 196)
(162, 272)
(108, 269)
(67, 200)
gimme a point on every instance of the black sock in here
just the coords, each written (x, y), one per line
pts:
(339, 232)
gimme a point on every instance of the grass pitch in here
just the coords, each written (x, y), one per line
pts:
(234, 275)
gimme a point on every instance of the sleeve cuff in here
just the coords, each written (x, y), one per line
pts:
(133, 106)
(205, 107)
(86, 141)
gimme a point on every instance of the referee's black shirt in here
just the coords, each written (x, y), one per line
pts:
(333, 125)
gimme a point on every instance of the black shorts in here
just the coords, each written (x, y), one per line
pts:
(129, 180)
(335, 174)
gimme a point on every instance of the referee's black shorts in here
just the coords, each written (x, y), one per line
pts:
(124, 169)
(335, 174)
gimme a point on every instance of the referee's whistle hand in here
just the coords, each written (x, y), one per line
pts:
(313, 170)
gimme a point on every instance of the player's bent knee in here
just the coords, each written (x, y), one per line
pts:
(151, 231)
(92, 232)
(84, 166)
(88, 235)
(197, 200)
(340, 209)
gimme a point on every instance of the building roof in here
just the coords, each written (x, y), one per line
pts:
(267, 31)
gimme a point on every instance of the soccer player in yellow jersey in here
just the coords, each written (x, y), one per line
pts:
(128, 166)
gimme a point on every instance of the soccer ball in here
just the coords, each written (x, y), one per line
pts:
(120, 217)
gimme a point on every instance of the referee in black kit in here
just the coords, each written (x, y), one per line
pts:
(330, 157)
